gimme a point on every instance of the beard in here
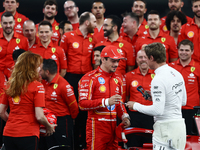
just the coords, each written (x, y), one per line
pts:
(108, 32)
(8, 32)
(49, 17)
(196, 15)
(90, 29)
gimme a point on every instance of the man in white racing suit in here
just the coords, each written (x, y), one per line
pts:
(168, 96)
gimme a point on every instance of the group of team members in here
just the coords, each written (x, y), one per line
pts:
(73, 48)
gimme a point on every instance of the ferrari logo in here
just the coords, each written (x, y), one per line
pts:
(152, 76)
(146, 27)
(55, 86)
(192, 69)
(163, 39)
(19, 19)
(17, 41)
(90, 39)
(121, 45)
(56, 27)
(116, 81)
(53, 50)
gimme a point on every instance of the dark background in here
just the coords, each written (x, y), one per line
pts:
(33, 8)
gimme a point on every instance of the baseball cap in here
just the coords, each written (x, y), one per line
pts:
(112, 52)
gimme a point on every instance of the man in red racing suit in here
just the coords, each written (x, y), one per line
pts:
(100, 93)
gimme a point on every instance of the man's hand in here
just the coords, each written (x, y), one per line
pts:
(114, 99)
(126, 122)
(130, 104)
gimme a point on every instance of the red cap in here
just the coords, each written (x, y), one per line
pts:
(112, 52)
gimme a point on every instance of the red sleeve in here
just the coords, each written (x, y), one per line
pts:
(70, 99)
(63, 43)
(39, 96)
(127, 84)
(5, 99)
(173, 51)
(85, 89)
(182, 35)
(62, 58)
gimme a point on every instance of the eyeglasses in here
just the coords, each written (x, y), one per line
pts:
(70, 7)
(106, 25)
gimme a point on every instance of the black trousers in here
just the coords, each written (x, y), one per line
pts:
(21, 143)
(139, 120)
(189, 121)
(80, 121)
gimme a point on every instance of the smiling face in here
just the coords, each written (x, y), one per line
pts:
(8, 24)
(70, 9)
(110, 65)
(10, 6)
(185, 52)
(50, 12)
(175, 4)
(107, 27)
(142, 60)
(139, 8)
(175, 24)
(196, 8)
(44, 33)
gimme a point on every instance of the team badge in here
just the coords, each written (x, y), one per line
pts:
(53, 50)
(101, 80)
(116, 81)
(152, 76)
(121, 45)
(19, 19)
(102, 89)
(0, 48)
(165, 28)
(118, 50)
(143, 46)
(16, 100)
(146, 27)
(192, 69)
(56, 27)
(111, 108)
(190, 34)
(163, 39)
(75, 45)
(90, 39)
(55, 86)
(134, 83)
(17, 41)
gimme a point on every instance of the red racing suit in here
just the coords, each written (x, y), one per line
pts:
(94, 88)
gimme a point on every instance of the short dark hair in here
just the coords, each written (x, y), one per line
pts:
(7, 14)
(15, 0)
(186, 42)
(141, 1)
(62, 24)
(157, 50)
(192, 1)
(154, 12)
(45, 23)
(85, 16)
(98, 1)
(171, 15)
(51, 2)
(99, 48)
(50, 65)
(131, 15)
(16, 53)
(116, 21)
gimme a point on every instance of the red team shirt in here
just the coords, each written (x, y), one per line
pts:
(166, 40)
(127, 51)
(191, 75)
(59, 97)
(75, 26)
(191, 32)
(6, 49)
(99, 34)
(79, 51)
(56, 34)
(135, 79)
(22, 121)
(19, 21)
(52, 52)
(134, 38)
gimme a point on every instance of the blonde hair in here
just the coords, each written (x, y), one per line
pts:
(24, 72)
